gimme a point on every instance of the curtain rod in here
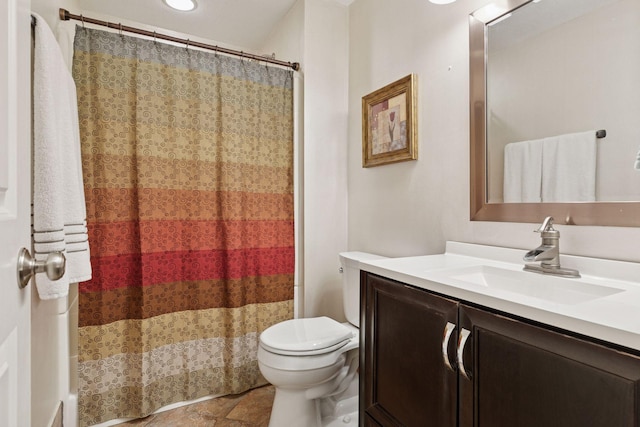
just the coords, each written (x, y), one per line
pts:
(65, 16)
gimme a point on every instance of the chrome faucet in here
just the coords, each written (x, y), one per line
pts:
(548, 253)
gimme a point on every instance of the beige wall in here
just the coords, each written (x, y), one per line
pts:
(287, 43)
(316, 34)
(414, 207)
(325, 74)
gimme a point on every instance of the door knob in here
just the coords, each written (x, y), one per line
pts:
(53, 266)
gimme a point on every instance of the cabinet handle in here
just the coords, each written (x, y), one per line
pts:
(448, 330)
(462, 341)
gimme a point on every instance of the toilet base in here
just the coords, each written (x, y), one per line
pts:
(346, 420)
(342, 410)
(333, 411)
(292, 405)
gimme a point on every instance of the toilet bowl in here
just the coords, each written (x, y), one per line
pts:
(313, 362)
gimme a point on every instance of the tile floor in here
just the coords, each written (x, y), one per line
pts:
(250, 409)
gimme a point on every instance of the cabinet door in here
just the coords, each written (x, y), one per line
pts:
(405, 380)
(528, 376)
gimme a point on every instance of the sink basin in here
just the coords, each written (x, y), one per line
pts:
(544, 287)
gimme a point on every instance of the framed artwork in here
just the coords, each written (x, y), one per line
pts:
(389, 125)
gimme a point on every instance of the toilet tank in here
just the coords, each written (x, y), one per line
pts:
(350, 263)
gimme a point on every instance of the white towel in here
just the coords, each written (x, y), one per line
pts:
(636, 164)
(569, 168)
(523, 172)
(59, 212)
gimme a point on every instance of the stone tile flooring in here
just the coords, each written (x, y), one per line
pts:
(250, 409)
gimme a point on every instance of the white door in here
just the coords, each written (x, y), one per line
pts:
(15, 210)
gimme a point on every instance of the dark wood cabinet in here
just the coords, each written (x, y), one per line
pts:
(406, 382)
(529, 376)
(515, 373)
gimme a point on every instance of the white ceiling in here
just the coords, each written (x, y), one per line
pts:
(238, 23)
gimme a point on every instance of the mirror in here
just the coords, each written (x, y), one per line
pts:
(541, 70)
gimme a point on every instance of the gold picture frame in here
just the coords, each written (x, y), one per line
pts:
(389, 125)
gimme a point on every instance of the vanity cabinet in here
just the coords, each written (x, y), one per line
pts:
(406, 382)
(513, 372)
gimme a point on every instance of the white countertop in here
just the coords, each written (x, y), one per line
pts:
(614, 318)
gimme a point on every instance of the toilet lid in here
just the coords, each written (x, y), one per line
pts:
(313, 335)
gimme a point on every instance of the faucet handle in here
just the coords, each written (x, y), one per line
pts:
(547, 225)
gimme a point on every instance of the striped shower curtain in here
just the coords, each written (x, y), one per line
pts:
(187, 162)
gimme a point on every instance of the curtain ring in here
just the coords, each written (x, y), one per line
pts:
(120, 28)
(82, 19)
(188, 41)
(154, 36)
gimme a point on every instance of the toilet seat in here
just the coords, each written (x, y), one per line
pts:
(306, 337)
(305, 353)
(283, 362)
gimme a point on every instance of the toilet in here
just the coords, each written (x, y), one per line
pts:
(313, 362)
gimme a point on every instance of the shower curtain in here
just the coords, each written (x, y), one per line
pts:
(187, 161)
